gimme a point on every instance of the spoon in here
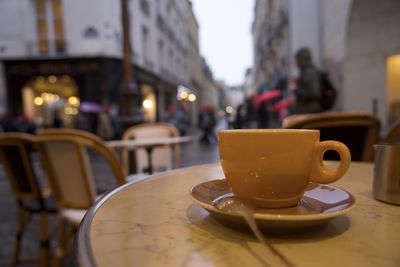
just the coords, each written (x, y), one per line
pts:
(229, 203)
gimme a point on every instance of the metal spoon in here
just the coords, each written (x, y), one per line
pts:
(229, 203)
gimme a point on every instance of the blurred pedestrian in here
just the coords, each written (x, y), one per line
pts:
(113, 115)
(250, 120)
(207, 122)
(104, 127)
(240, 117)
(263, 116)
(57, 121)
(170, 115)
(82, 122)
(307, 87)
(7, 122)
(24, 124)
(230, 120)
(182, 119)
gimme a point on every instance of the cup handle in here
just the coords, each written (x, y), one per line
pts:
(320, 173)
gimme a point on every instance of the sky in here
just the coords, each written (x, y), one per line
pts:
(225, 37)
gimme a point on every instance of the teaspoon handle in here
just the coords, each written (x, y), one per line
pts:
(253, 226)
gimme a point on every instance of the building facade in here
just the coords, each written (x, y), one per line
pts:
(270, 31)
(50, 45)
(356, 41)
(210, 93)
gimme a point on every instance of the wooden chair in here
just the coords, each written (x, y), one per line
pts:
(358, 130)
(16, 152)
(66, 162)
(393, 136)
(161, 157)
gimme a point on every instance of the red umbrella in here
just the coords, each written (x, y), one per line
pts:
(266, 96)
(284, 104)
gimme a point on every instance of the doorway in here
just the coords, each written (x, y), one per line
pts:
(49, 100)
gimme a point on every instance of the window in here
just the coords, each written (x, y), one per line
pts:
(161, 53)
(145, 5)
(145, 44)
(171, 59)
(90, 32)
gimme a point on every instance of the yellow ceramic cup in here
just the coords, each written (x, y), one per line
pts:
(271, 168)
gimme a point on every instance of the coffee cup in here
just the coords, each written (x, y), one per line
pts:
(271, 168)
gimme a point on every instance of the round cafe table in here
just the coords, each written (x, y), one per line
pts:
(154, 222)
(149, 144)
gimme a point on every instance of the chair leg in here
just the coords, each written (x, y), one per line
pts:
(60, 250)
(19, 235)
(44, 240)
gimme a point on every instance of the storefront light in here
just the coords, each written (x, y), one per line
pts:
(65, 78)
(73, 101)
(50, 98)
(38, 101)
(147, 103)
(47, 97)
(52, 79)
(71, 111)
(229, 109)
(192, 97)
(183, 95)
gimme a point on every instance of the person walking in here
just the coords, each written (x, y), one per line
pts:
(240, 117)
(104, 127)
(207, 122)
(182, 120)
(170, 115)
(307, 88)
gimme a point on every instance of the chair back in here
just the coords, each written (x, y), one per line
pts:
(393, 136)
(15, 155)
(358, 130)
(65, 158)
(161, 157)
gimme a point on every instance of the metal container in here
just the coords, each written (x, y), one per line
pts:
(386, 185)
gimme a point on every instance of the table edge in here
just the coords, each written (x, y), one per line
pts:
(84, 253)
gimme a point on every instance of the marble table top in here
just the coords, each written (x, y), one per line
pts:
(153, 222)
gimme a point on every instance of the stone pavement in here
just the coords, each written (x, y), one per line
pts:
(192, 153)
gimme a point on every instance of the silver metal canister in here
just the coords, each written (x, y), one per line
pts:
(386, 185)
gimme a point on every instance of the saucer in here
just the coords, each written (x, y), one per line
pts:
(319, 204)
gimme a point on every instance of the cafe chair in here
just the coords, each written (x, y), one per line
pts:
(358, 130)
(16, 156)
(64, 154)
(163, 158)
(393, 135)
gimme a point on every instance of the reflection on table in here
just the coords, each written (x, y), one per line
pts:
(155, 223)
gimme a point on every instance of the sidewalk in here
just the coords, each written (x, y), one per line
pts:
(192, 154)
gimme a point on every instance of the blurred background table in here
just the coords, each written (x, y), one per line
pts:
(154, 223)
(149, 144)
